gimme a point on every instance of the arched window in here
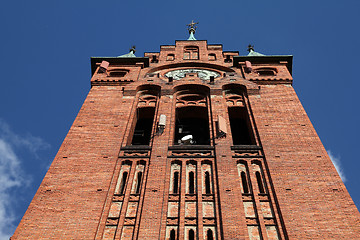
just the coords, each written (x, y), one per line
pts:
(143, 127)
(172, 234)
(175, 177)
(123, 182)
(244, 176)
(240, 124)
(176, 183)
(194, 121)
(191, 234)
(138, 184)
(244, 182)
(144, 115)
(191, 183)
(259, 182)
(209, 235)
(207, 183)
(138, 178)
(191, 117)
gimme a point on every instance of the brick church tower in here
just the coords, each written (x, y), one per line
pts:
(191, 142)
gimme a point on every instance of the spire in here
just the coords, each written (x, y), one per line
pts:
(252, 51)
(192, 29)
(131, 53)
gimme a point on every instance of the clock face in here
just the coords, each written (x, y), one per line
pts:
(202, 73)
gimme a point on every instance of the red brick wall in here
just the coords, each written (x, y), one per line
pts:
(304, 191)
(70, 200)
(313, 200)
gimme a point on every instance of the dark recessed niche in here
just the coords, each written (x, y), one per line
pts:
(170, 57)
(118, 73)
(192, 121)
(228, 59)
(266, 72)
(143, 128)
(240, 126)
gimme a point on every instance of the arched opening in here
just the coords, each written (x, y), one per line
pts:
(123, 182)
(191, 183)
(172, 234)
(207, 183)
(192, 121)
(240, 126)
(143, 127)
(191, 234)
(209, 235)
(259, 182)
(244, 182)
(144, 116)
(138, 184)
(176, 183)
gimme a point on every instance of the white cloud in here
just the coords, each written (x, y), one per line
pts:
(12, 175)
(336, 161)
(31, 143)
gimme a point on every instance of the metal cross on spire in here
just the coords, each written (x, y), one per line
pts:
(131, 53)
(192, 29)
(252, 52)
(191, 26)
(250, 48)
(133, 49)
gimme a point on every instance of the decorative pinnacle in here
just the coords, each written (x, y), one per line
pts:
(132, 49)
(192, 27)
(250, 48)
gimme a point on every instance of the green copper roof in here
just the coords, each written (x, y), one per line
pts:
(191, 37)
(130, 54)
(253, 53)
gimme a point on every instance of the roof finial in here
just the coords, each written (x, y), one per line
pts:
(252, 52)
(132, 50)
(192, 29)
(250, 48)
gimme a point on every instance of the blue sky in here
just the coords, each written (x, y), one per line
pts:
(45, 50)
